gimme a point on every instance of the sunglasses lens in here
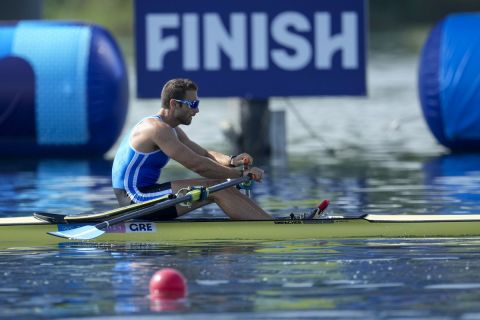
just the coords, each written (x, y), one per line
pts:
(192, 104)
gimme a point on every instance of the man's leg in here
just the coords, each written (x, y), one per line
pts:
(234, 203)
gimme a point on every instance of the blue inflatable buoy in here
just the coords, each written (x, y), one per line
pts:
(64, 89)
(449, 82)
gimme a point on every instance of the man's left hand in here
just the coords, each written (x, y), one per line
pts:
(242, 159)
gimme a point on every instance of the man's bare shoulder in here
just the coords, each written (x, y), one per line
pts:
(154, 127)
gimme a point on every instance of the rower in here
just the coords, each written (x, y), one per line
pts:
(150, 144)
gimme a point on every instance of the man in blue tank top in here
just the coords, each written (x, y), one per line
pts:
(154, 140)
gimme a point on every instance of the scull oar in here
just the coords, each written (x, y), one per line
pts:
(98, 216)
(93, 231)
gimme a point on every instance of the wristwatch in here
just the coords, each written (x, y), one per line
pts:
(231, 160)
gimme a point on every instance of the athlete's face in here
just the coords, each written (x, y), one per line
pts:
(185, 113)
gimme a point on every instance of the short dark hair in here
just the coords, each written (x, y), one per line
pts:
(176, 89)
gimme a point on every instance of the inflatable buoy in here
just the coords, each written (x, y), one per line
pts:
(449, 82)
(64, 89)
(168, 284)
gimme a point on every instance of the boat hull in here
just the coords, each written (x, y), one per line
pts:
(34, 233)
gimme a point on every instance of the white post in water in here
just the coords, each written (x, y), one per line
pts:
(255, 123)
(263, 131)
(278, 137)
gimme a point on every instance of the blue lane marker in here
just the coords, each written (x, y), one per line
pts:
(6, 39)
(59, 56)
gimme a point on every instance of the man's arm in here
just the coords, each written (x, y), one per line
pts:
(219, 157)
(191, 156)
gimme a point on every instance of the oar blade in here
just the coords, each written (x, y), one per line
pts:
(82, 233)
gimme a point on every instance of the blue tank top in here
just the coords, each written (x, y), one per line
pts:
(133, 169)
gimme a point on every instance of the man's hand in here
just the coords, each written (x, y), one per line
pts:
(242, 159)
(257, 173)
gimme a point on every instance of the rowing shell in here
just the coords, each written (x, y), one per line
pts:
(28, 231)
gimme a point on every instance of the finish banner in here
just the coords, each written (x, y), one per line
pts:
(252, 49)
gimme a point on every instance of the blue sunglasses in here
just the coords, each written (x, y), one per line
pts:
(193, 104)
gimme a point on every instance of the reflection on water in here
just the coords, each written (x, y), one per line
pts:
(372, 278)
(69, 186)
(384, 161)
(455, 183)
(379, 278)
(421, 185)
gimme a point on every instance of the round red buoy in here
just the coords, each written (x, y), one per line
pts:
(168, 284)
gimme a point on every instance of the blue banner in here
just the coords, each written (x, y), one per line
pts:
(253, 49)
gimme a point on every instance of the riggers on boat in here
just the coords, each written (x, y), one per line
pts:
(28, 231)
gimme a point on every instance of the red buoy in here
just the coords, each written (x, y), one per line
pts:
(168, 284)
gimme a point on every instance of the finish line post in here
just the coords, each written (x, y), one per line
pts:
(254, 124)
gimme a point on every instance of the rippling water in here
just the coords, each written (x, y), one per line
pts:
(350, 279)
(367, 155)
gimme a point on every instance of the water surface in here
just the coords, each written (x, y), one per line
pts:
(374, 278)
(367, 155)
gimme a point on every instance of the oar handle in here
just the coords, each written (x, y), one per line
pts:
(229, 183)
